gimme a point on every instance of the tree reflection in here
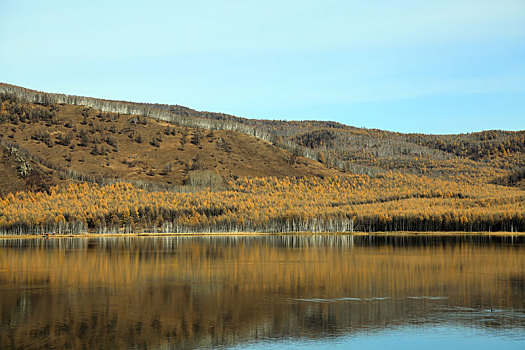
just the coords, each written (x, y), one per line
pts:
(210, 291)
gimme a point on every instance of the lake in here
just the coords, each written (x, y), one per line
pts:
(292, 291)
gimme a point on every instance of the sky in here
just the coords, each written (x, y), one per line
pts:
(410, 66)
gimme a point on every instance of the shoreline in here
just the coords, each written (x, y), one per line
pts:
(199, 234)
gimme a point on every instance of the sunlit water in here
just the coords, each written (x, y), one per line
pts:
(260, 292)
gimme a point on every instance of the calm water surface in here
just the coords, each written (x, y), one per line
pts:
(260, 292)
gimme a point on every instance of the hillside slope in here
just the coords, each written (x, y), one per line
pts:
(81, 143)
(487, 155)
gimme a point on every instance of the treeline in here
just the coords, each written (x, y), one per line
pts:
(393, 202)
(174, 114)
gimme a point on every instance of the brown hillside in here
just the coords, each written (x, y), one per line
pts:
(18, 173)
(81, 142)
(488, 156)
(11, 180)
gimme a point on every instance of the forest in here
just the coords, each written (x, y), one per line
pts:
(341, 204)
(74, 164)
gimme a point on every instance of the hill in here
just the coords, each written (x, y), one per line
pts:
(80, 143)
(114, 166)
(359, 150)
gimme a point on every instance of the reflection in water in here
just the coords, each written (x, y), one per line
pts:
(210, 291)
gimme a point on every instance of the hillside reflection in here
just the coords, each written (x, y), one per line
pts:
(208, 291)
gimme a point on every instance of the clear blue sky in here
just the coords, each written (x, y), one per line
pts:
(413, 66)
